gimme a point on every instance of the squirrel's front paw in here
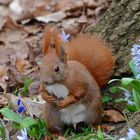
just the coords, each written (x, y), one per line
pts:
(62, 104)
(48, 98)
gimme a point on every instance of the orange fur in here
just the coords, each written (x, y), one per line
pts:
(89, 63)
(89, 50)
(93, 53)
(51, 37)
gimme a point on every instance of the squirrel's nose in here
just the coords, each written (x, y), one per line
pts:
(48, 81)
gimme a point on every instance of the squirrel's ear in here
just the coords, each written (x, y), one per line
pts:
(47, 39)
(63, 55)
(51, 40)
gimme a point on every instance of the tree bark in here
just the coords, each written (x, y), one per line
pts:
(120, 27)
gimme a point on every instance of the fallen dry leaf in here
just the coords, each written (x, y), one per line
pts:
(3, 76)
(34, 108)
(27, 9)
(113, 116)
(2, 22)
(68, 4)
(3, 101)
(4, 11)
(16, 7)
(33, 29)
(5, 2)
(107, 128)
(54, 17)
(20, 64)
(12, 32)
(71, 26)
(61, 138)
(20, 49)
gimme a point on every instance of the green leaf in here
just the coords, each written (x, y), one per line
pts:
(113, 89)
(123, 89)
(133, 83)
(27, 122)
(136, 98)
(106, 99)
(131, 108)
(99, 134)
(27, 83)
(119, 100)
(126, 82)
(11, 115)
(76, 136)
(2, 132)
(136, 85)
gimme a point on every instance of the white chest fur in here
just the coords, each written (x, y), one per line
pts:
(59, 90)
(73, 113)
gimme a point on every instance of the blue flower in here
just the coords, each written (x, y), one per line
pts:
(24, 135)
(21, 109)
(18, 102)
(64, 36)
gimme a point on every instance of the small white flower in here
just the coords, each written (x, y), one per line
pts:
(24, 135)
(131, 134)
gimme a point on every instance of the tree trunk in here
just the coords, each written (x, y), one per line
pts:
(120, 27)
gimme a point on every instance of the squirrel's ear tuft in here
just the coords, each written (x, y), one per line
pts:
(51, 40)
(63, 55)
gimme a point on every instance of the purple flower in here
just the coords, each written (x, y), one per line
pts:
(135, 52)
(64, 36)
(137, 68)
(130, 102)
(135, 49)
(127, 95)
(138, 76)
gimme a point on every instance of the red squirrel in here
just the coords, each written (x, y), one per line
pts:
(71, 76)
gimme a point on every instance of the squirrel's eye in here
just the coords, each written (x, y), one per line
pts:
(56, 68)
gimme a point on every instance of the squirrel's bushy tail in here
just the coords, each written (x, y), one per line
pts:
(94, 54)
